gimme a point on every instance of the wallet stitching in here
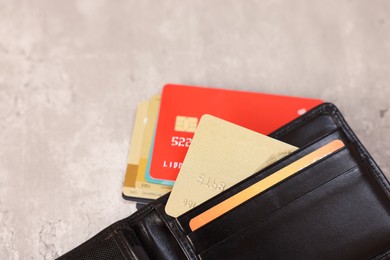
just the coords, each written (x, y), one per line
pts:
(378, 179)
(374, 169)
(382, 256)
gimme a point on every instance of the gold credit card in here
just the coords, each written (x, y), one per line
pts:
(220, 155)
(153, 191)
(129, 189)
(264, 184)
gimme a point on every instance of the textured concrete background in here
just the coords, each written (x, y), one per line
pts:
(72, 72)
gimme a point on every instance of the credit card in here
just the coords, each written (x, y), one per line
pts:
(129, 190)
(182, 107)
(153, 191)
(264, 184)
(148, 178)
(221, 154)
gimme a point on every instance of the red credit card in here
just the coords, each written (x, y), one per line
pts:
(182, 106)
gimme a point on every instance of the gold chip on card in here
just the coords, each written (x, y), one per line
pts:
(186, 124)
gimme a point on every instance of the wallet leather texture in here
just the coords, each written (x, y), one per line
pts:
(336, 208)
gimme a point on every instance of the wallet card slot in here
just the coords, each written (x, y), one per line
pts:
(335, 134)
(273, 199)
(351, 205)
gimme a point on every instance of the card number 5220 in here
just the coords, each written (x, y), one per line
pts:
(181, 141)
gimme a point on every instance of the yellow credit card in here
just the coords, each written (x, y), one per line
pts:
(129, 188)
(153, 190)
(264, 184)
(220, 155)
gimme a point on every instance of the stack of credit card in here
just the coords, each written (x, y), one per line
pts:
(225, 134)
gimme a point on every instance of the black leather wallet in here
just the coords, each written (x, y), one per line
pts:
(336, 208)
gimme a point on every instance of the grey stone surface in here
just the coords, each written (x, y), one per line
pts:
(72, 72)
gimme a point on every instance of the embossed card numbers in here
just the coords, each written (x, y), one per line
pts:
(221, 154)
